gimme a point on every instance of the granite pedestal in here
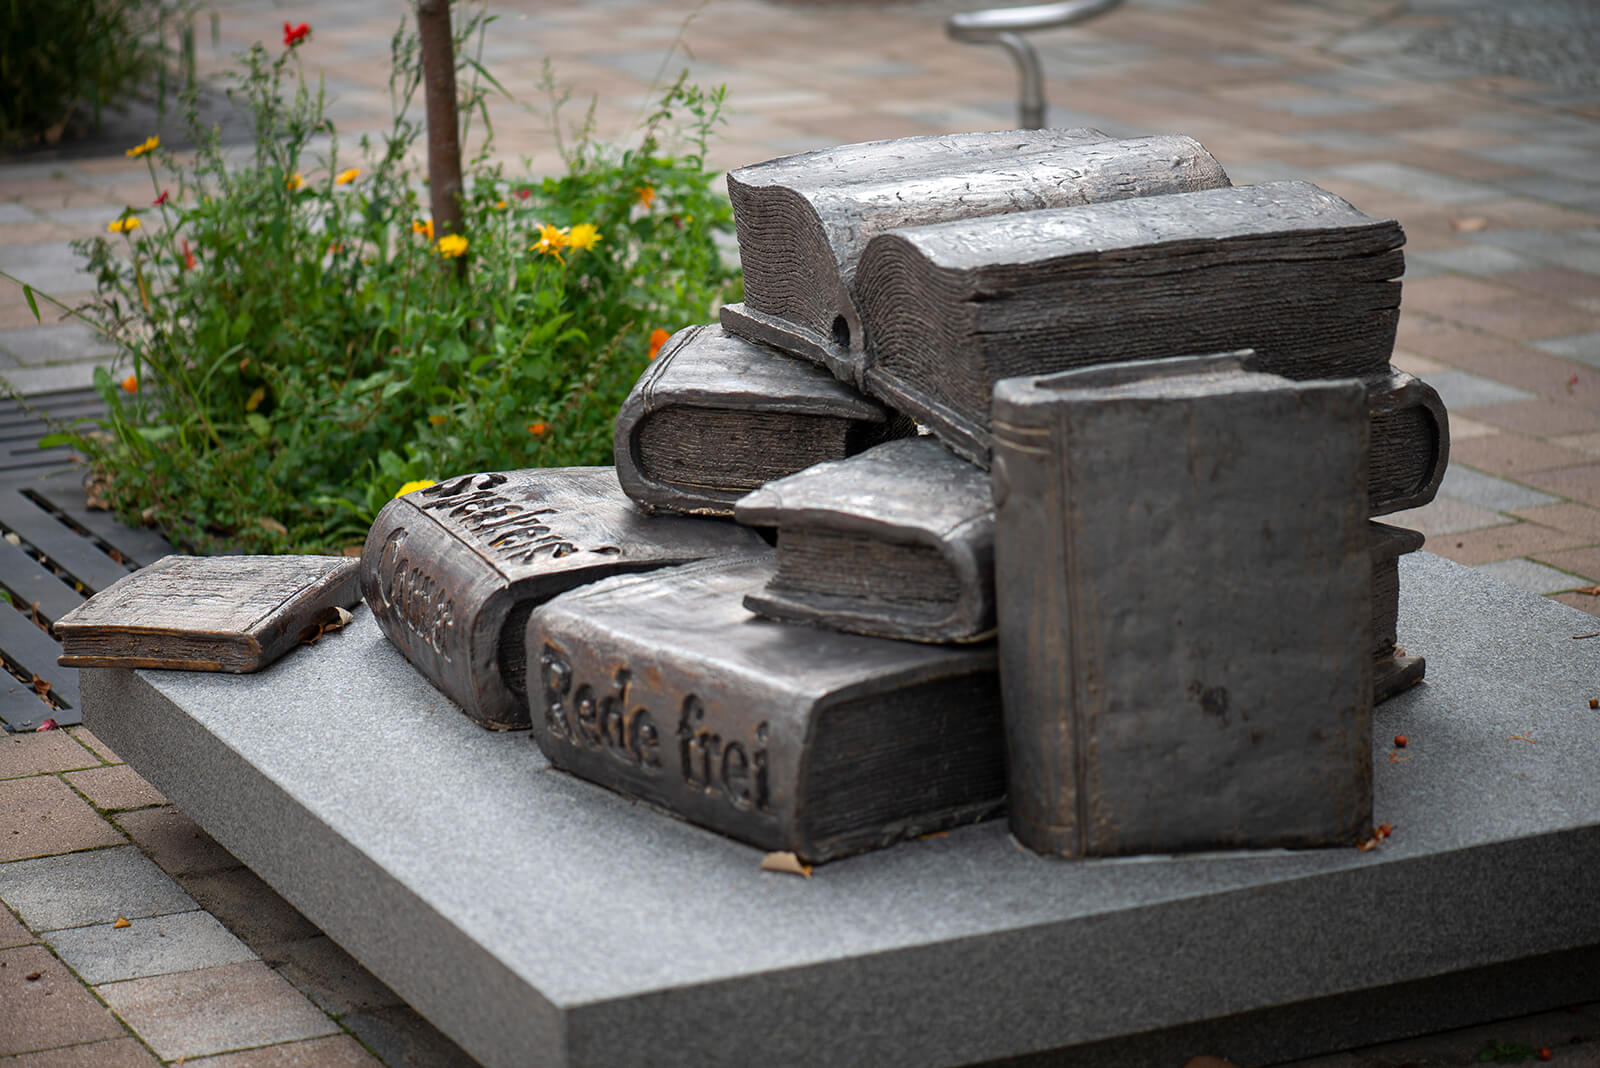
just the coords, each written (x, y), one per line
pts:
(540, 920)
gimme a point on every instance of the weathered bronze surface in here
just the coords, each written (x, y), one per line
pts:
(804, 220)
(1184, 572)
(716, 416)
(452, 571)
(1284, 268)
(665, 688)
(1410, 437)
(897, 542)
(1392, 670)
(207, 613)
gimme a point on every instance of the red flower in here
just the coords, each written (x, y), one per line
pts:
(524, 193)
(293, 35)
(160, 200)
(188, 257)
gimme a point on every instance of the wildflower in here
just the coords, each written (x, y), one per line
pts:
(150, 145)
(524, 193)
(410, 487)
(188, 257)
(160, 200)
(552, 239)
(658, 337)
(499, 205)
(346, 177)
(423, 228)
(295, 182)
(124, 224)
(293, 35)
(538, 430)
(583, 236)
(647, 195)
(437, 420)
(452, 245)
(130, 384)
(335, 247)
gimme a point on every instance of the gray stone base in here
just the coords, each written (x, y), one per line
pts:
(537, 919)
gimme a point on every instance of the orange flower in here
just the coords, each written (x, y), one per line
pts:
(647, 195)
(658, 337)
(188, 257)
(437, 420)
(423, 228)
(346, 177)
(131, 384)
(538, 430)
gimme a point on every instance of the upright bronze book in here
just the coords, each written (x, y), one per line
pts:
(1284, 268)
(452, 571)
(665, 688)
(803, 220)
(716, 416)
(1392, 669)
(1184, 580)
(207, 613)
(897, 542)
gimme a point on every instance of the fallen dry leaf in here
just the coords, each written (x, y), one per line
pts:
(1470, 225)
(271, 525)
(785, 862)
(33, 977)
(97, 492)
(1592, 591)
(40, 686)
(1594, 702)
(121, 923)
(332, 619)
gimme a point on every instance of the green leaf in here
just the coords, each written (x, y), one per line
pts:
(154, 434)
(258, 424)
(51, 441)
(33, 305)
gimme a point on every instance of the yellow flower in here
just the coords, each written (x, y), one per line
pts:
(409, 487)
(150, 145)
(452, 245)
(499, 205)
(437, 420)
(584, 236)
(295, 182)
(423, 228)
(346, 177)
(552, 239)
(124, 224)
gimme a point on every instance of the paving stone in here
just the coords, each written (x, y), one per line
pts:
(1578, 519)
(402, 1038)
(16, 213)
(54, 343)
(1540, 417)
(1502, 543)
(1564, 191)
(1539, 578)
(1555, 282)
(1583, 602)
(248, 907)
(329, 976)
(151, 945)
(103, 751)
(1486, 491)
(117, 1053)
(338, 1051)
(52, 1010)
(174, 841)
(1462, 389)
(215, 1010)
(1584, 562)
(12, 932)
(1443, 515)
(118, 787)
(89, 888)
(1415, 182)
(1580, 483)
(1511, 455)
(42, 751)
(1584, 348)
(42, 816)
(1473, 259)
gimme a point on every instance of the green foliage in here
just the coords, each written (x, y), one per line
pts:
(1506, 1053)
(301, 347)
(63, 61)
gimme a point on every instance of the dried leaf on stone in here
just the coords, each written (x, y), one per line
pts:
(1592, 591)
(331, 619)
(33, 977)
(97, 492)
(785, 862)
(40, 686)
(1470, 225)
(121, 923)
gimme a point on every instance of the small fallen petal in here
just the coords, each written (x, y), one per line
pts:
(1469, 225)
(121, 923)
(785, 862)
(49, 725)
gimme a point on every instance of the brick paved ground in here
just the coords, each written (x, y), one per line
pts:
(1495, 174)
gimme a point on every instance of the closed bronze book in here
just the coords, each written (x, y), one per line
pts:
(452, 571)
(803, 220)
(663, 687)
(207, 613)
(897, 542)
(1284, 268)
(716, 416)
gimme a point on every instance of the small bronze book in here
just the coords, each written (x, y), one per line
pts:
(452, 571)
(897, 542)
(663, 687)
(716, 416)
(207, 613)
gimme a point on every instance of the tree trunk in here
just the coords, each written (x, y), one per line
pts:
(444, 140)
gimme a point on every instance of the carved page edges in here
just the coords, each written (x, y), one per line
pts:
(897, 542)
(716, 416)
(1392, 670)
(1410, 442)
(207, 613)
(452, 571)
(1285, 268)
(1189, 668)
(664, 688)
(803, 221)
